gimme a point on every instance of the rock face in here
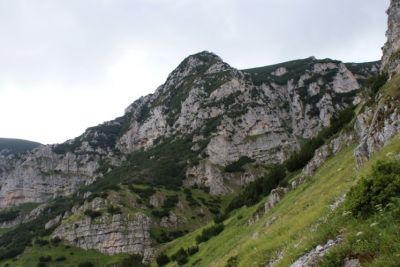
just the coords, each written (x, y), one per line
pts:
(391, 50)
(274, 197)
(110, 234)
(376, 126)
(321, 154)
(42, 174)
(55, 170)
(23, 218)
(311, 258)
(260, 113)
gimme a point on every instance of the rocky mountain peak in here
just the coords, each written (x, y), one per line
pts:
(391, 50)
(222, 113)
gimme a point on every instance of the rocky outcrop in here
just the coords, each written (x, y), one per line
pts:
(259, 113)
(311, 258)
(391, 50)
(208, 175)
(375, 127)
(109, 234)
(43, 174)
(170, 221)
(57, 170)
(239, 114)
(24, 217)
(324, 152)
(274, 197)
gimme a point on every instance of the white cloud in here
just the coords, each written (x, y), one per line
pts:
(66, 65)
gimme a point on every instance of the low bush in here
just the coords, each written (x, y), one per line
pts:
(45, 259)
(193, 250)
(92, 213)
(170, 202)
(299, 159)
(144, 193)
(221, 218)
(8, 215)
(61, 258)
(132, 261)
(114, 210)
(164, 236)
(237, 166)
(377, 190)
(86, 264)
(261, 187)
(181, 256)
(55, 241)
(232, 262)
(41, 242)
(162, 260)
(209, 232)
(376, 82)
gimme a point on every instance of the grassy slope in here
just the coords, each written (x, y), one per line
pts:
(297, 215)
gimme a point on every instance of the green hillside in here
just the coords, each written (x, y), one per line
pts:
(297, 224)
(17, 145)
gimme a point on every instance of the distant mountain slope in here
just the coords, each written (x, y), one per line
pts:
(13, 146)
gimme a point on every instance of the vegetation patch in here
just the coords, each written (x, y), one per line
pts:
(237, 166)
(208, 233)
(299, 159)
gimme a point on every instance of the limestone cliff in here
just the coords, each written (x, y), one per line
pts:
(260, 113)
(391, 50)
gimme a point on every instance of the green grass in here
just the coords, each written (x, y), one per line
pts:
(74, 256)
(392, 88)
(300, 211)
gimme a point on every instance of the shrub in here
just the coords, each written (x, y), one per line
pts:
(41, 242)
(232, 262)
(190, 199)
(144, 193)
(61, 258)
(160, 213)
(254, 191)
(219, 218)
(181, 256)
(41, 264)
(208, 233)
(164, 237)
(114, 210)
(92, 213)
(55, 241)
(44, 258)
(299, 159)
(162, 260)
(170, 202)
(237, 166)
(8, 215)
(193, 250)
(132, 261)
(376, 190)
(86, 264)
(376, 82)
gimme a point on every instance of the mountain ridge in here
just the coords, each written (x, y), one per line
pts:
(210, 136)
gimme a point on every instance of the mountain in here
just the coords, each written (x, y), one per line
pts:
(221, 167)
(14, 146)
(220, 114)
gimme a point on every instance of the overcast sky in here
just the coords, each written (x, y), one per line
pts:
(66, 65)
